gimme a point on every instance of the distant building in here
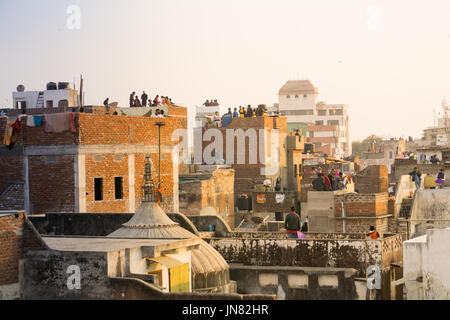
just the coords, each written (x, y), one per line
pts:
(325, 125)
(54, 96)
(386, 154)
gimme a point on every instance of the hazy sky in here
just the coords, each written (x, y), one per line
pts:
(388, 60)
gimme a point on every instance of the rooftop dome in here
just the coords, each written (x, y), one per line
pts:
(210, 271)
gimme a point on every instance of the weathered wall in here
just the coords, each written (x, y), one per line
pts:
(45, 276)
(296, 283)
(320, 211)
(348, 253)
(93, 224)
(426, 266)
(17, 236)
(214, 189)
(136, 289)
(430, 209)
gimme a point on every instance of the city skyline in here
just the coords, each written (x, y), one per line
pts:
(239, 52)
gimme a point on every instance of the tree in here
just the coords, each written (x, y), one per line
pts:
(359, 147)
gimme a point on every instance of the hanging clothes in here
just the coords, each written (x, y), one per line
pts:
(60, 122)
(30, 121)
(8, 134)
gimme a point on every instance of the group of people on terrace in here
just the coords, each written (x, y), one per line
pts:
(329, 182)
(223, 121)
(145, 101)
(211, 103)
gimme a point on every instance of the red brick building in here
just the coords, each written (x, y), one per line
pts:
(97, 166)
(17, 235)
(257, 148)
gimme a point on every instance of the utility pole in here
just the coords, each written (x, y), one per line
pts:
(159, 124)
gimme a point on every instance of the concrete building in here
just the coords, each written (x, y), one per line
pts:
(55, 96)
(327, 125)
(426, 265)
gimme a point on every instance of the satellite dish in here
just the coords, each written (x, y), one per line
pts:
(20, 88)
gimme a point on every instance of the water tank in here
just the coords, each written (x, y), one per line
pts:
(51, 86)
(20, 88)
(63, 85)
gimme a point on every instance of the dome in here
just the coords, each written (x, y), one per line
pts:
(210, 271)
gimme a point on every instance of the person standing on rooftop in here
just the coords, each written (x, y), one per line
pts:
(106, 104)
(292, 224)
(241, 112)
(235, 113)
(144, 98)
(249, 112)
(132, 99)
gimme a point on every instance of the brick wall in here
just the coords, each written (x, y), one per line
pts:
(373, 179)
(52, 185)
(11, 169)
(248, 174)
(17, 235)
(363, 225)
(51, 176)
(370, 204)
(107, 166)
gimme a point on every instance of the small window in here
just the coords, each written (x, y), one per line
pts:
(296, 96)
(118, 185)
(295, 170)
(319, 122)
(288, 96)
(63, 103)
(98, 187)
(305, 96)
(49, 103)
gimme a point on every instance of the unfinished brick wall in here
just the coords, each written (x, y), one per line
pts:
(371, 204)
(16, 237)
(373, 179)
(52, 176)
(108, 130)
(52, 185)
(363, 225)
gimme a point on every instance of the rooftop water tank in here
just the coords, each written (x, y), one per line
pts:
(51, 86)
(63, 85)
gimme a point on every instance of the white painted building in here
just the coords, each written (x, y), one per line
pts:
(426, 266)
(55, 96)
(298, 102)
